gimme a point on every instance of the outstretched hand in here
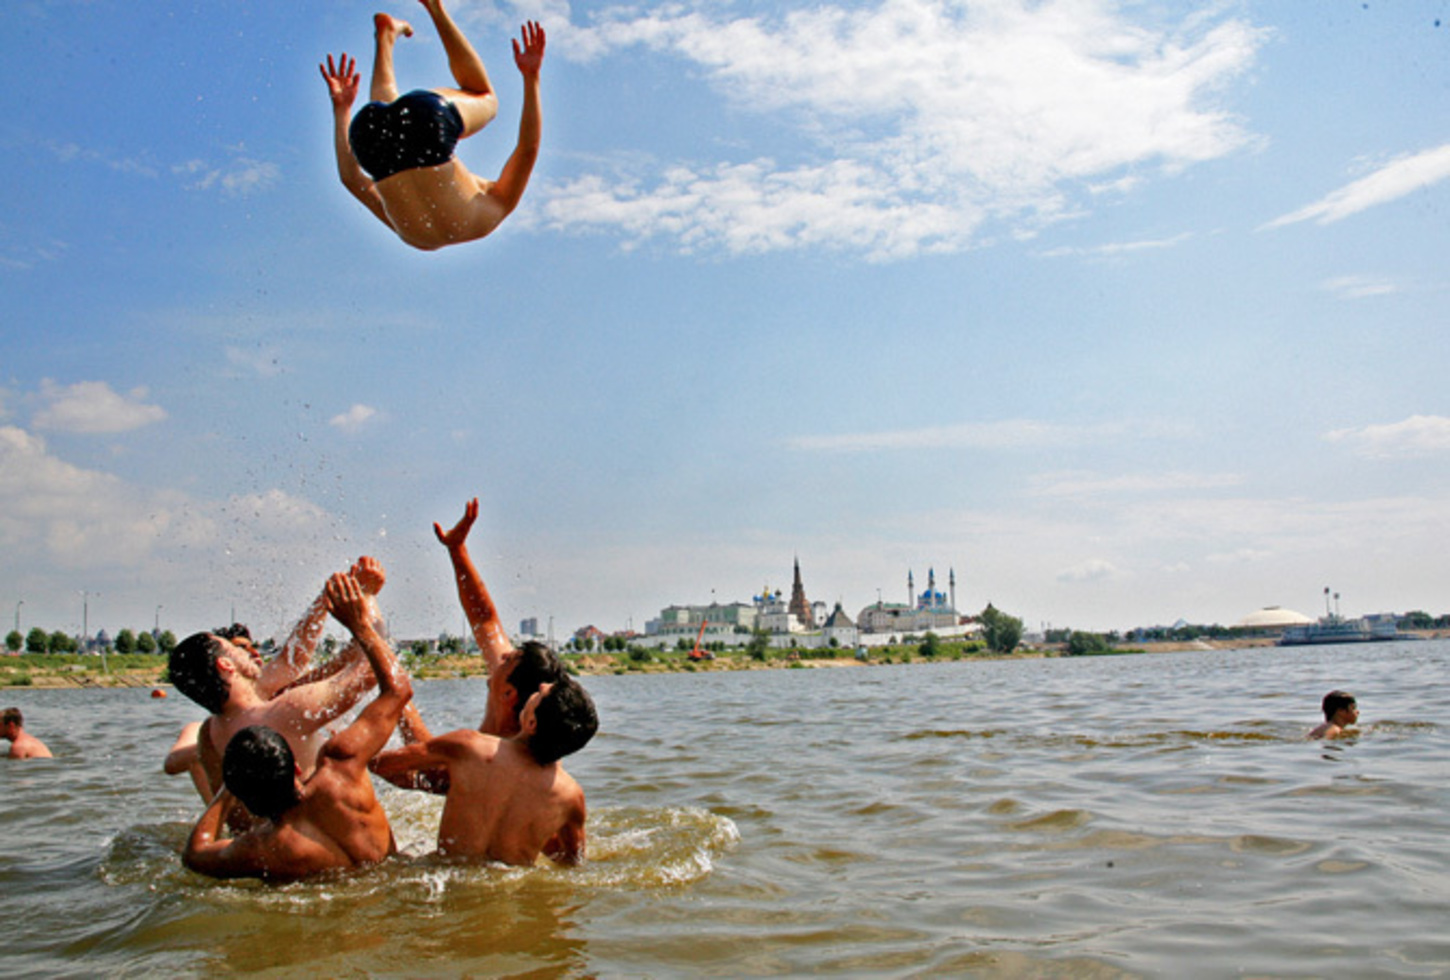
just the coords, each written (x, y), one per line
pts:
(369, 574)
(343, 80)
(531, 55)
(455, 538)
(347, 602)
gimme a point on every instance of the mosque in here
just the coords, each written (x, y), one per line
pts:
(801, 623)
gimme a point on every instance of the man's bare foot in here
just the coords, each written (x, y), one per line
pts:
(386, 25)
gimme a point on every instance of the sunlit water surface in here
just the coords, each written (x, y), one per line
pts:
(1104, 817)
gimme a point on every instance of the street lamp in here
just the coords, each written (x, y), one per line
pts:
(17, 614)
(156, 626)
(86, 626)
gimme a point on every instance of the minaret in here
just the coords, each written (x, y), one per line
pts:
(910, 590)
(931, 587)
(798, 604)
(952, 585)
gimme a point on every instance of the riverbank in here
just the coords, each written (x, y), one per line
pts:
(147, 671)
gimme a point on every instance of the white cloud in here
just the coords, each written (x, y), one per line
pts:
(1114, 250)
(1359, 287)
(1087, 484)
(354, 418)
(1093, 570)
(265, 362)
(1388, 183)
(1418, 435)
(92, 407)
(930, 117)
(236, 179)
(1006, 434)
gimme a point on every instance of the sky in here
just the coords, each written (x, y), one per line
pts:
(1125, 312)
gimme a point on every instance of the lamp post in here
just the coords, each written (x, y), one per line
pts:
(17, 614)
(156, 626)
(86, 626)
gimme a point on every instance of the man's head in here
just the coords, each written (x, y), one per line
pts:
(237, 634)
(202, 667)
(518, 677)
(558, 720)
(1337, 701)
(11, 722)
(259, 769)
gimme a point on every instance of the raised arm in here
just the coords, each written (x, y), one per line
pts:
(302, 643)
(477, 604)
(342, 84)
(366, 736)
(509, 188)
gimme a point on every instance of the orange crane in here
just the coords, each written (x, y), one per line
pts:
(697, 653)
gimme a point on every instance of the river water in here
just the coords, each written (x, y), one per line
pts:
(1156, 816)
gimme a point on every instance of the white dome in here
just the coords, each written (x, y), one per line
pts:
(1272, 617)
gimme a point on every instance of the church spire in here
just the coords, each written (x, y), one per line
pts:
(798, 604)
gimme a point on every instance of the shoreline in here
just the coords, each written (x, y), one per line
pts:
(18, 673)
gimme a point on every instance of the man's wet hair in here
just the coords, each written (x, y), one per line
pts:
(1334, 701)
(192, 668)
(537, 665)
(233, 632)
(259, 769)
(12, 716)
(566, 721)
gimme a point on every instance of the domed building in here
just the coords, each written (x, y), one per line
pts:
(1272, 619)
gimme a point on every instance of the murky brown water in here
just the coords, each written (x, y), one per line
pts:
(1125, 816)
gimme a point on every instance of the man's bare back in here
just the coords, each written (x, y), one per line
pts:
(502, 805)
(398, 160)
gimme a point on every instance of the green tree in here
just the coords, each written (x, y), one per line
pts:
(125, 642)
(14, 641)
(1001, 632)
(759, 645)
(1081, 644)
(37, 641)
(145, 642)
(930, 646)
(61, 643)
(166, 642)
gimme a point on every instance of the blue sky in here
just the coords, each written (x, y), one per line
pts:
(1127, 312)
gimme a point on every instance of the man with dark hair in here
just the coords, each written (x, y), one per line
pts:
(332, 819)
(508, 799)
(23, 745)
(224, 673)
(1340, 711)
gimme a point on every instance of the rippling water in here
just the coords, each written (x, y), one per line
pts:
(1103, 817)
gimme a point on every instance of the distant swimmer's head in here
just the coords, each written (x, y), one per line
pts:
(259, 768)
(563, 719)
(1337, 701)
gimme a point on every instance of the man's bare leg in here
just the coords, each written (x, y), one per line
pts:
(474, 96)
(386, 29)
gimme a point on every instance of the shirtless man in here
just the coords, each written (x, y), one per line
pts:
(1340, 711)
(227, 677)
(508, 798)
(331, 820)
(397, 156)
(23, 745)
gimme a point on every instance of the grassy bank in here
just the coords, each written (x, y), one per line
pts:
(149, 670)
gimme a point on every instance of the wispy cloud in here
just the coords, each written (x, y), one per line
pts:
(1084, 485)
(1092, 570)
(1389, 183)
(921, 120)
(1359, 287)
(1006, 434)
(354, 419)
(1113, 250)
(265, 362)
(237, 178)
(1418, 435)
(93, 407)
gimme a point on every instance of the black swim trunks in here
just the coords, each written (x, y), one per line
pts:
(419, 129)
